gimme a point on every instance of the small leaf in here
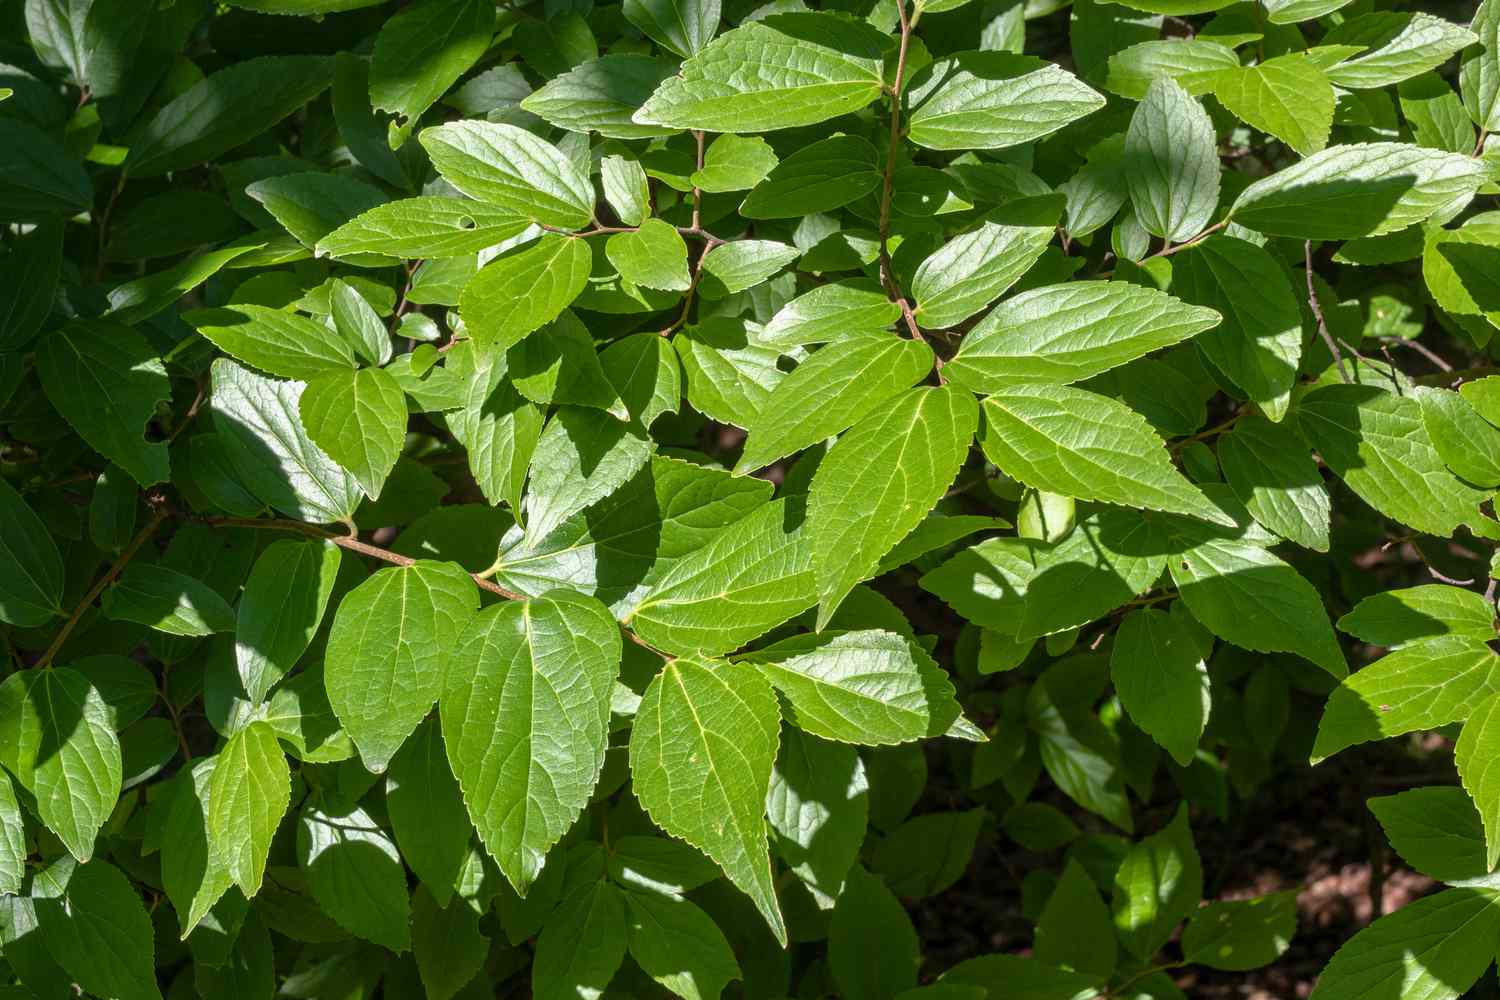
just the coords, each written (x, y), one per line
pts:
(359, 419)
(1172, 163)
(354, 872)
(169, 602)
(423, 49)
(1073, 931)
(428, 818)
(1162, 681)
(31, 576)
(1157, 886)
(1241, 934)
(428, 227)
(992, 100)
(678, 945)
(247, 795)
(1474, 754)
(1287, 97)
(274, 341)
(973, 269)
(653, 255)
(873, 951)
(509, 167)
(95, 926)
(524, 289)
(582, 944)
(583, 456)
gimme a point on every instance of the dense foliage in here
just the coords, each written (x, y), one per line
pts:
(519, 499)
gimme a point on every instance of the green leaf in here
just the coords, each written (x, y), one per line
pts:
(778, 72)
(818, 809)
(1248, 596)
(682, 26)
(247, 795)
(39, 181)
(423, 49)
(734, 163)
(428, 817)
(1396, 47)
(1466, 442)
(582, 457)
(730, 371)
(828, 312)
(390, 636)
(139, 300)
(973, 269)
(1193, 63)
(1378, 445)
(879, 481)
(1479, 73)
(833, 389)
(625, 188)
(873, 951)
(274, 341)
(12, 839)
(31, 571)
(1241, 934)
(427, 226)
(863, 687)
(601, 95)
(646, 375)
(526, 721)
(1422, 685)
(95, 926)
(497, 427)
(752, 576)
(310, 205)
(1080, 444)
(1287, 97)
(1160, 677)
(678, 945)
(524, 289)
(1068, 333)
(106, 380)
(447, 944)
(1259, 345)
(1474, 754)
(112, 510)
(1097, 567)
(561, 366)
(992, 100)
(1172, 163)
(1073, 931)
(701, 754)
(819, 177)
(1277, 480)
(1157, 886)
(512, 169)
(261, 432)
(168, 601)
(1361, 189)
(1396, 617)
(582, 944)
(740, 264)
(354, 872)
(28, 279)
(359, 419)
(57, 740)
(1435, 947)
(1437, 831)
(195, 127)
(653, 255)
(193, 876)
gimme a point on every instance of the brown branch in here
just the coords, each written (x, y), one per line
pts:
(887, 278)
(157, 517)
(1421, 349)
(1317, 311)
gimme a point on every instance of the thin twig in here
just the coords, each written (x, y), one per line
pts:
(1317, 311)
(157, 517)
(1421, 349)
(887, 277)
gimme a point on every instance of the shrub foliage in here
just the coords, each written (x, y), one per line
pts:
(514, 498)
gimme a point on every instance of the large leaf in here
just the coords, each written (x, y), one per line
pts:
(680, 946)
(1287, 97)
(281, 609)
(96, 927)
(1157, 886)
(1433, 948)
(384, 664)
(31, 570)
(582, 457)
(752, 576)
(701, 754)
(1080, 444)
(1475, 755)
(831, 390)
(1361, 189)
(1172, 163)
(57, 739)
(1068, 333)
(683, 26)
(878, 482)
(818, 809)
(247, 795)
(39, 181)
(1479, 74)
(602, 95)
(525, 714)
(1158, 672)
(423, 49)
(261, 432)
(990, 100)
(973, 269)
(1397, 46)
(524, 289)
(1420, 686)
(226, 110)
(106, 380)
(777, 72)
(1377, 443)
(359, 419)
(274, 341)
(428, 817)
(509, 167)
(355, 874)
(1259, 345)
(429, 227)
(1277, 480)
